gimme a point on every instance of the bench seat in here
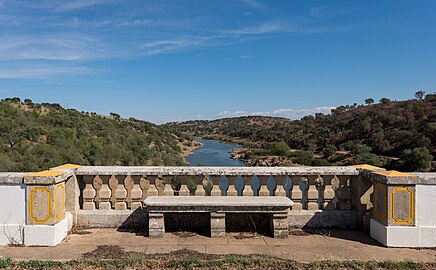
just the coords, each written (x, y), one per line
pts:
(217, 206)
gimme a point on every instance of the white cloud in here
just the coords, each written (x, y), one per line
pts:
(287, 113)
(80, 4)
(320, 12)
(256, 5)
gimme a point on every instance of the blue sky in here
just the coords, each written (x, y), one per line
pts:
(171, 60)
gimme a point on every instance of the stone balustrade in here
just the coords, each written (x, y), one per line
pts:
(122, 188)
(396, 208)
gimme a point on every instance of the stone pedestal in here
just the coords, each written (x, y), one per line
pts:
(156, 225)
(217, 225)
(280, 224)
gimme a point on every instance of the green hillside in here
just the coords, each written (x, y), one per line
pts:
(39, 136)
(394, 134)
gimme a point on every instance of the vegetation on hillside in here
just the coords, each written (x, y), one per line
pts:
(39, 136)
(394, 134)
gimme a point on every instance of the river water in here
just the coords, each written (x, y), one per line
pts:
(214, 154)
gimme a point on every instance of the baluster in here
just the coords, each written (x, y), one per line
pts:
(168, 191)
(159, 184)
(105, 193)
(215, 188)
(120, 194)
(304, 186)
(88, 193)
(224, 185)
(271, 184)
(255, 185)
(329, 196)
(320, 186)
(97, 183)
(192, 186)
(344, 194)
(335, 186)
(176, 184)
(184, 191)
(207, 185)
(200, 188)
(128, 184)
(113, 185)
(280, 190)
(239, 186)
(136, 192)
(312, 194)
(248, 191)
(148, 185)
(296, 193)
(231, 191)
(263, 187)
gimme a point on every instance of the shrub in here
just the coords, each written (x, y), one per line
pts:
(280, 148)
(417, 159)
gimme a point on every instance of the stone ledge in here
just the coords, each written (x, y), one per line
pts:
(167, 170)
(12, 177)
(425, 178)
(46, 177)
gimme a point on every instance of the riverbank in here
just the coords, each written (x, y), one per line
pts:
(188, 147)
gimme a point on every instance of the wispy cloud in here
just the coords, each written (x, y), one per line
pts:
(80, 4)
(256, 4)
(32, 71)
(287, 113)
(50, 32)
(321, 12)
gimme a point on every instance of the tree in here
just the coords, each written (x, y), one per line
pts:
(420, 95)
(417, 159)
(385, 101)
(369, 101)
(329, 150)
(28, 102)
(279, 148)
(115, 115)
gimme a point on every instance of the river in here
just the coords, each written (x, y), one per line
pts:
(214, 154)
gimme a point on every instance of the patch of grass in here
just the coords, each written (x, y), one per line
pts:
(185, 259)
(5, 263)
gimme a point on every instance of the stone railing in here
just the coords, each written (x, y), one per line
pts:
(396, 208)
(121, 188)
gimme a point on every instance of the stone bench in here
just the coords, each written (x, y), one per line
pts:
(217, 206)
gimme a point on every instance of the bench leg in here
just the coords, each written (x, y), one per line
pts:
(280, 223)
(217, 225)
(156, 225)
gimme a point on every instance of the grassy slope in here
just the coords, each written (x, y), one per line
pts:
(377, 134)
(39, 136)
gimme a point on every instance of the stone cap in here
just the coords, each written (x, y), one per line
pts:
(366, 169)
(168, 170)
(425, 178)
(47, 177)
(12, 177)
(394, 177)
(216, 203)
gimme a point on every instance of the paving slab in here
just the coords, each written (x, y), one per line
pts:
(336, 245)
(202, 240)
(229, 249)
(171, 248)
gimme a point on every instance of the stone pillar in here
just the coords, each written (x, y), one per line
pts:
(217, 225)
(156, 225)
(393, 214)
(280, 224)
(47, 223)
(361, 192)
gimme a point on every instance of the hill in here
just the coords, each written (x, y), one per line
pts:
(393, 134)
(39, 136)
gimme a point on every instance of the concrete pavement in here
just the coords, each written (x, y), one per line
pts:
(300, 246)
